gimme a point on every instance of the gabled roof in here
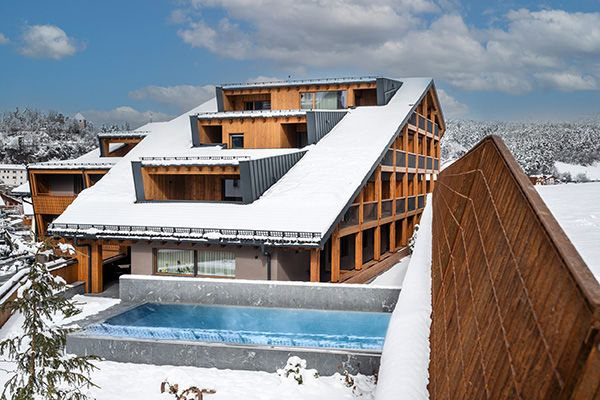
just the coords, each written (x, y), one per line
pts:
(300, 209)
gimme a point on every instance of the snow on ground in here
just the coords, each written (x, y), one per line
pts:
(393, 276)
(576, 206)
(404, 373)
(592, 171)
(142, 381)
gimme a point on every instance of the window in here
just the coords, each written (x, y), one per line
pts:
(331, 100)
(257, 105)
(195, 263)
(236, 141)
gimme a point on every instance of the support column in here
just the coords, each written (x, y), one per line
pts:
(335, 255)
(377, 244)
(358, 250)
(315, 265)
(97, 283)
(404, 237)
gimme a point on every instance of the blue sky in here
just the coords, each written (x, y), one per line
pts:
(135, 60)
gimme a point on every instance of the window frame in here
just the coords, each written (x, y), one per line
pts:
(236, 135)
(195, 274)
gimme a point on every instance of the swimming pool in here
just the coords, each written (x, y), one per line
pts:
(248, 325)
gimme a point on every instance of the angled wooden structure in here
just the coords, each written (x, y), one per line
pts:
(516, 311)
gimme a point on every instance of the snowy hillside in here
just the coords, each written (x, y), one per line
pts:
(535, 145)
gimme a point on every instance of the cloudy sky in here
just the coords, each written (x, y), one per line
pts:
(134, 60)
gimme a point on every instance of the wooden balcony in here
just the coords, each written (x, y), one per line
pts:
(52, 204)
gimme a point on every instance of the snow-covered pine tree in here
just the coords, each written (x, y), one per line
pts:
(43, 370)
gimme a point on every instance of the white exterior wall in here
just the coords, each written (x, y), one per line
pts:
(13, 174)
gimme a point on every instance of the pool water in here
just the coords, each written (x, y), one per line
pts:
(248, 325)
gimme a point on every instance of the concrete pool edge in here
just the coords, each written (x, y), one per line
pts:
(222, 355)
(320, 296)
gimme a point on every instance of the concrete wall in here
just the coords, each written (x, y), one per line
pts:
(286, 265)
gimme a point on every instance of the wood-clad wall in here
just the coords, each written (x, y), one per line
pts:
(259, 133)
(516, 312)
(288, 97)
(185, 187)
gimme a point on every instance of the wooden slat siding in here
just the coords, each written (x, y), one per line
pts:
(516, 312)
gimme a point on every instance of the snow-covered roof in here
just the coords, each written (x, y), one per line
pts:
(300, 82)
(22, 189)
(232, 157)
(12, 166)
(300, 208)
(2, 203)
(78, 117)
(90, 160)
(252, 114)
(118, 134)
(27, 206)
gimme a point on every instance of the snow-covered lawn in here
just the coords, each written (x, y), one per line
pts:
(592, 171)
(576, 206)
(140, 381)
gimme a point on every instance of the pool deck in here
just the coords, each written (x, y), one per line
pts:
(136, 291)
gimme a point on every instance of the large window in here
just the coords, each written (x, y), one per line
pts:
(331, 100)
(195, 262)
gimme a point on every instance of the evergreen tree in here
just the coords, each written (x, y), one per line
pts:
(43, 370)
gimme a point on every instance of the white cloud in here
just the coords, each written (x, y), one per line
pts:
(123, 114)
(393, 37)
(184, 97)
(451, 107)
(3, 39)
(48, 41)
(263, 79)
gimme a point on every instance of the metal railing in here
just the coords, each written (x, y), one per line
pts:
(369, 211)
(411, 203)
(351, 216)
(387, 208)
(388, 159)
(400, 206)
(421, 162)
(412, 160)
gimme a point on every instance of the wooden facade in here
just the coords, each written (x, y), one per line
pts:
(382, 217)
(288, 97)
(257, 132)
(516, 312)
(52, 190)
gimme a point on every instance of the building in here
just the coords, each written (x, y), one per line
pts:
(13, 174)
(319, 180)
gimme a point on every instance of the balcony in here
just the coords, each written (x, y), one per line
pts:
(413, 119)
(421, 122)
(387, 208)
(429, 163)
(436, 164)
(52, 204)
(369, 211)
(400, 203)
(429, 126)
(411, 203)
(412, 160)
(400, 159)
(351, 216)
(421, 202)
(388, 159)
(421, 162)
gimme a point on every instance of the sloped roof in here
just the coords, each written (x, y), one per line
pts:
(89, 160)
(308, 199)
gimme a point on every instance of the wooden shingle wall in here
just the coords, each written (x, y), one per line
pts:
(516, 312)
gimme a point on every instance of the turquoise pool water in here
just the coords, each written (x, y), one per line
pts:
(248, 325)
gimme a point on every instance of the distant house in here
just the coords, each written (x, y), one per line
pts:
(543, 179)
(80, 120)
(315, 180)
(13, 174)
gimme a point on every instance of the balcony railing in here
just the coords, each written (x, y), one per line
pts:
(411, 203)
(429, 126)
(412, 160)
(436, 131)
(421, 162)
(388, 159)
(351, 216)
(421, 202)
(436, 164)
(429, 163)
(400, 203)
(52, 204)
(370, 211)
(387, 208)
(400, 159)
(413, 119)
(421, 122)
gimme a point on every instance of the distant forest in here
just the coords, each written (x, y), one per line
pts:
(535, 145)
(28, 136)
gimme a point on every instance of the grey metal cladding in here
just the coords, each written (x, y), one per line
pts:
(195, 131)
(101, 147)
(138, 180)
(219, 96)
(258, 175)
(320, 123)
(386, 88)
